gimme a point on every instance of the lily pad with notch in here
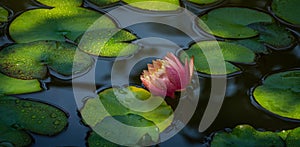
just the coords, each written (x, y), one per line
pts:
(110, 103)
(32, 60)
(279, 94)
(287, 10)
(216, 51)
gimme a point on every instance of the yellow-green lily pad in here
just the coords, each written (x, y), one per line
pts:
(96, 109)
(287, 10)
(232, 22)
(153, 5)
(279, 94)
(231, 53)
(246, 136)
(61, 3)
(32, 60)
(3, 14)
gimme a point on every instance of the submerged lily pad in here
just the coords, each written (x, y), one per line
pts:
(287, 10)
(61, 3)
(280, 94)
(154, 5)
(32, 60)
(3, 14)
(138, 129)
(231, 53)
(17, 86)
(232, 22)
(247, 136)
(203, 2)
(93, 113)
(13, 137)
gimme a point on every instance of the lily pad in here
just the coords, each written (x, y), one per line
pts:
(203, 2)
(54, 24)
(17, 86)
(138, 129)
(253, 44)
(35, 117)
(32, 60)
(61, 3)
(95, 110)
(97, 43)
(13, 137)
(279, 94)
(94, 140)
(153, 5)
(287, 10)
(231, 53)
(247, 136)
(232, 22)
(293, 138)
(3, 14)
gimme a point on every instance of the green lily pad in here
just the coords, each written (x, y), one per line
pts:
(54, 24)
(203, 2)
(231, 53)
(61, 3)
(17, 86)
(232, 22)
(13, 137)
(246, 136)
(3, 14)
(95, 110)
(33, 116)
(287, 10)
(293, 138)
(138, 128)
(32, 60)
(97, 43)
(252, 44)
(153, 5)
(94, 140)
(280, 94)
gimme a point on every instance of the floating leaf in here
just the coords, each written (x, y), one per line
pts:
(32, 60)
(247, 136)
(61, 3)
(154, 5)
(93, 113)
(293, 138)
(280, 94)
(99, 44)
(287, 10)
(17, 86)
(138, 128)
(33, 116)
(203, 2)
(94, 140)
(231, 53)
(54, 24)
(232, 22)
(3, 14)
(13, 137)
(252, 44)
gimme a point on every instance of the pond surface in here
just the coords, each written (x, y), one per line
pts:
(238, 107)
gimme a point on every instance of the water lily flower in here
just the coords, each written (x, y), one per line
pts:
(166, 76)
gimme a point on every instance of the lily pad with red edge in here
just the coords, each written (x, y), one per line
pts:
(279, 94)
(287, 10)
(217, 51)
(247, 136)
(96, 109)
(232, 22)
(32, 60)
(136, 131)
(153, 5)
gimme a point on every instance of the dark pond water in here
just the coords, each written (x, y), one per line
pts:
(236, 109)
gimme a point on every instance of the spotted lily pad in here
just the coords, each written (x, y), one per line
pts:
(287, 10)
(203, 2)
(232, 22)
(279, 94)
(135, 134)
(53, 24)
(32, 60)
(3, 14)
(154, 5)
(231, 53)
(110, 104)
(17, 86)
(61, 3)
(247, 136)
